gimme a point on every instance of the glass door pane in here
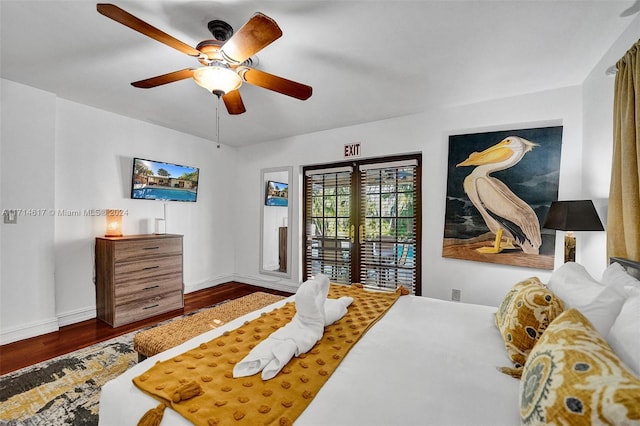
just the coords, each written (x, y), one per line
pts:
(388, 237)
(328, 225)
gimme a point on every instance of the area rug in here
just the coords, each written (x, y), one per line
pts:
(159, 339)
(66, 390)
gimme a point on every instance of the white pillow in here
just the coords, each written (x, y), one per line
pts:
(603, 310)
(600, 304)
(624, 336)
(615, 274)
(572, 283)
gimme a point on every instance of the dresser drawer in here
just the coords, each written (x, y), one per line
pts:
(146, 269)
(146, 248)
(130, 291)
(145, 307)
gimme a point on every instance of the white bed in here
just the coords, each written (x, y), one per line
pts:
(433, 362)
(426, 361)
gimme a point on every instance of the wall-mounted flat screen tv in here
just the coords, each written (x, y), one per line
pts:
(277, 194)
(157, 180)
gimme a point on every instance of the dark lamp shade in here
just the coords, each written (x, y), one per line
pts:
(578, 215)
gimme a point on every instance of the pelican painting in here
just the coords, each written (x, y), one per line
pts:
(505, 214)
(500, 185)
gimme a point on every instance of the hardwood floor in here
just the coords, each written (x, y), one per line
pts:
(14, 356)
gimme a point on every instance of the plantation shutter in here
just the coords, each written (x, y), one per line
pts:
(328, 223)
(389, 202)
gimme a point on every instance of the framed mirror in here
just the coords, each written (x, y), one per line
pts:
(275, 213)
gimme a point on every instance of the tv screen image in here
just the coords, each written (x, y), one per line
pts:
(277, 194)
(157, 180)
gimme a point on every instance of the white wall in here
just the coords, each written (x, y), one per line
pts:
(94, 151)
(63, 156)
(427, 133)
(27, 286)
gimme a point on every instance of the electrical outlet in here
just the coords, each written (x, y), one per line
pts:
(455, 295)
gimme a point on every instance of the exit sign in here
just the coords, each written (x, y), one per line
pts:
(352, 150)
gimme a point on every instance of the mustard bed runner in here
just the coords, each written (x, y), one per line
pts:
(199, 383)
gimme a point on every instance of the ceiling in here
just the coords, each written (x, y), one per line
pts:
(366, 60)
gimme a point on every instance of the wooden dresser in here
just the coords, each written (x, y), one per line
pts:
(138, 276)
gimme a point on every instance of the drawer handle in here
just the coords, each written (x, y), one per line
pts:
(151, 307)
(150, 267)
(151, 248)
(152, 287)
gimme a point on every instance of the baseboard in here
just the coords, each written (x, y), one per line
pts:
(78, 315)
(25, 331)
(212, 282)
(273, 284)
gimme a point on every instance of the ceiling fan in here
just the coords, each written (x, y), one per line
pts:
(225, 59)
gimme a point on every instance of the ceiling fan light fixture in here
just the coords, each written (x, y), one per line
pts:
(217, 79)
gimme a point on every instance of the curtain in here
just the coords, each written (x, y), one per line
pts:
(623, 221)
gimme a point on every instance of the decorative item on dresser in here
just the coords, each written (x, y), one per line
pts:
(138, 276)
(114, 223)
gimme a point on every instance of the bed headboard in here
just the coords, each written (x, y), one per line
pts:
(632, 267)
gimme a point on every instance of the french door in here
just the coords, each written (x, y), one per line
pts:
(362, 222)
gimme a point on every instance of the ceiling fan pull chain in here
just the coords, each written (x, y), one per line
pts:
(218, 121)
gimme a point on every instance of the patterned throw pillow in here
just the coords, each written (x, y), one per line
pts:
(573, 377)
(525, 313)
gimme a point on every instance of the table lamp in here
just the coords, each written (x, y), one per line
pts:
(578, 215)
(114, 224)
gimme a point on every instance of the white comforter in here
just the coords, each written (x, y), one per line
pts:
(427, 362)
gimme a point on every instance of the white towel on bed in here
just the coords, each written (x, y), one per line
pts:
(334, 309)
(295, 338)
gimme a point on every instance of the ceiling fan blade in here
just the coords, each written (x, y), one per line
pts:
(125, 18)
(259, 32)
(275, 83)
(163, 79)
(233, 102)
